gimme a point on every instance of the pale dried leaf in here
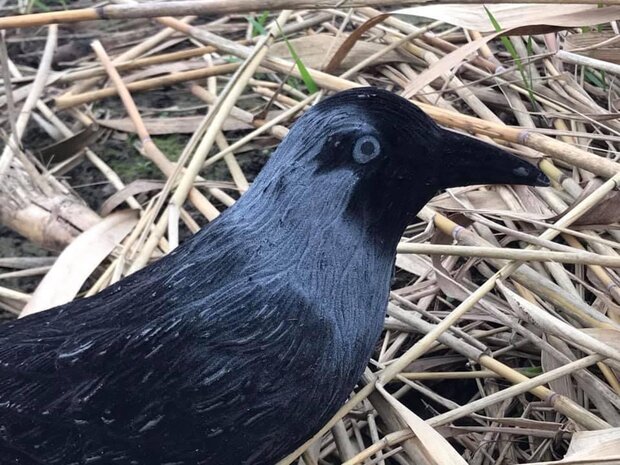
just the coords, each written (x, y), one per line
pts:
(480, 200)
(528, 311)
(136, 187)
(445, 65)
(607, 52)
(311, 50)
(179, 125)
(549, 361)
(605, 212)
(437, 449)
(608, 336)
(77, 262)
(516, 15)
(600, 447)
(414, 264)
(434, 445)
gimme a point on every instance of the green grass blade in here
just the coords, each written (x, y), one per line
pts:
(257, 27)
(303, 71)
(515, 56)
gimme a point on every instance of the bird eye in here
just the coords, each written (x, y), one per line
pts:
(366, 148)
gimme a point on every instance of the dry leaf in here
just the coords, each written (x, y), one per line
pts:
(413, 264)
(77, 262)
(179, 125)
(605, 212)
(351, 40)
(608, 336)
(131, 189)
(600, 447)
(549, 361)
(436, 448)
(488, 200)
(608, 52)
(537, 19)
(445, 64)
(311, 50)
(528, 311)
(66, 148)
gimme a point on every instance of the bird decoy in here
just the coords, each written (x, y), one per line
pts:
(240, 344)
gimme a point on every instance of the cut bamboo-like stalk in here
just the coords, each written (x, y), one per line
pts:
(25, 112)
(509, 254)
(193, 7)
(525, 275)
(7, 293)
(68, 101)
(421, 346)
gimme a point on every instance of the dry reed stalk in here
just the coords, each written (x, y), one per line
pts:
(200, 7)
(151, 150)
(130, 54)
(25, 112)
(99, 71)
(7, 293)
(510, 254)
(524, 275)
(72, 100)
(7, 81)
(231, 161)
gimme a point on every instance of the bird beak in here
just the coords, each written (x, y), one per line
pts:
(467, 161)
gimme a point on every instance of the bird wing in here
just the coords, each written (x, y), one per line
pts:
(133, 369)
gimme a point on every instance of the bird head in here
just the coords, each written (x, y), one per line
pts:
(377, 152)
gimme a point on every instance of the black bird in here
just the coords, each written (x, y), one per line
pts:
(244, 341)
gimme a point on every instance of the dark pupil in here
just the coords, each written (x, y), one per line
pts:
(368, 148)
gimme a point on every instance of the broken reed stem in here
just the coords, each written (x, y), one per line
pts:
(151, 150)
(443, 375)
(181, 8)
(420, 347)
(261, 130)
(67, 101)
(8, 88)
(138, 63)
(37, 89)
(523, 386)
(583, 258)
(534, 385)
(525, 275)
(389, 440)
(202, 7)
(576, 59)
(7, 293)
(231, 161)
